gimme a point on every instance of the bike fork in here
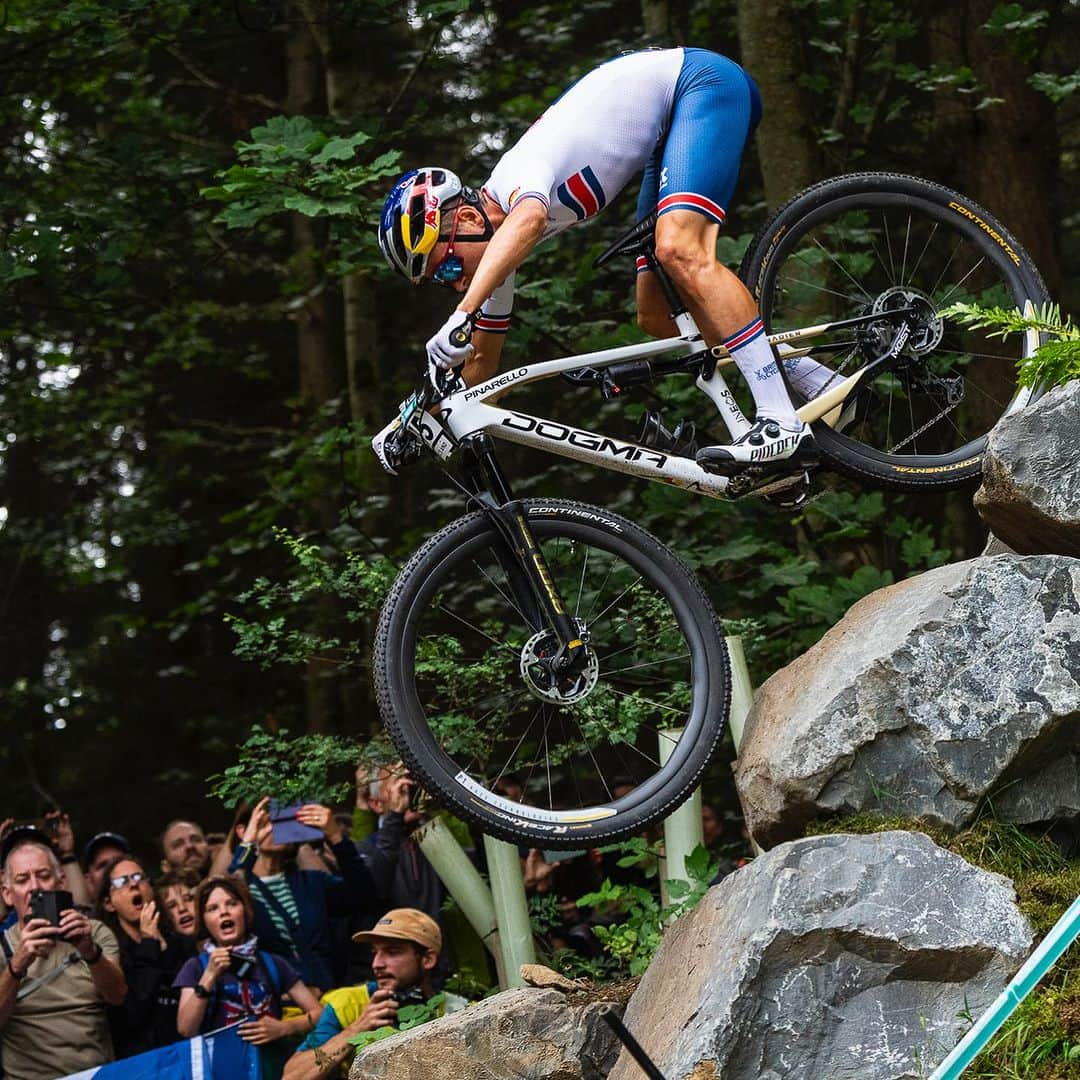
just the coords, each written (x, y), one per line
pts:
(527, 571)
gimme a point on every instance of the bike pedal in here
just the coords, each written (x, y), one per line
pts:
(792, 493)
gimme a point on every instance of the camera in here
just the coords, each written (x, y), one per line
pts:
(241, 966)
(49, 905)
(413, 995)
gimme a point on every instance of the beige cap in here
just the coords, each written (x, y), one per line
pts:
(406, 924)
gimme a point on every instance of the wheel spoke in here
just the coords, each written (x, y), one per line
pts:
(941, 302)
(596, 619)
(843, 269)
(649, 663)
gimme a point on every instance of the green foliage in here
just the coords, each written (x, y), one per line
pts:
(269, 636)
(291, 164)
(634, 936)
(288, 769)
(1056, 87)
(1053, 363)
(408, 1016)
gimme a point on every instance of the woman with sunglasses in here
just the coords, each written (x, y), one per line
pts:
(150, 956)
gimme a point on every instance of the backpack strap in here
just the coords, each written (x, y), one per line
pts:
(270, 964)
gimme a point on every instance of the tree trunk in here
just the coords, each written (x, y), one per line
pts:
(1014, 161)
(1003, 155)
(351, 89)
(318, 347)
(769, 37)
(655, 20)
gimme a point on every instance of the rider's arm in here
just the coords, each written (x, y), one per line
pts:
(484, 361)
(519, 233)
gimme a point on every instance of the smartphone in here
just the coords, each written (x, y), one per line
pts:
(50, 905)
(52, 824)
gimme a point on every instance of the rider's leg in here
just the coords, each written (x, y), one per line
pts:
(722, 307)
(653, 310)
(715, 107)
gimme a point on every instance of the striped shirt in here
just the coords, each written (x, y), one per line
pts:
(279, 889)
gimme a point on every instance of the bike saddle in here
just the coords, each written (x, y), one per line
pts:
(630, 243)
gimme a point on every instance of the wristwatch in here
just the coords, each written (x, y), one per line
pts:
(97, 955)
(201, 991)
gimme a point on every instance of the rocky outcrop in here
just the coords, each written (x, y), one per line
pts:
(1030, 493)
(526, 1034)
(926, 699)
(834, 956)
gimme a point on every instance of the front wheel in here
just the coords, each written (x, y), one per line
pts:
(871, 243)
(459, 660)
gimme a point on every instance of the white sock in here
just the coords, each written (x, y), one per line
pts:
(753, 355)
(809, 377)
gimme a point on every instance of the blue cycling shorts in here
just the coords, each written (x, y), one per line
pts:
(715, 108)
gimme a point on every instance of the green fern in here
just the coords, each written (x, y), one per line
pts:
(1053, 363)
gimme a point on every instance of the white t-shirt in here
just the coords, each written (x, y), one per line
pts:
(584, 149)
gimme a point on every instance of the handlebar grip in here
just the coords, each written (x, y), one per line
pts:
(462, 335)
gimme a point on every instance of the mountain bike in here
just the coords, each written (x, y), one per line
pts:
(551, 670)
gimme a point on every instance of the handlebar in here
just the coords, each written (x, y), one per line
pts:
(463, 334)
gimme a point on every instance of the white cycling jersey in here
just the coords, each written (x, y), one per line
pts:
(584, 150)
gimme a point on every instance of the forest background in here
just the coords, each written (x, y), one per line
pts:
(193, 532)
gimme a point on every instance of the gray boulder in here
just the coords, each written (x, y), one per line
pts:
(927, 698)
(834, 956)
(1030, 493)
(526, 1034)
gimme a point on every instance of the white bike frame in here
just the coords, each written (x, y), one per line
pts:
(469, 411)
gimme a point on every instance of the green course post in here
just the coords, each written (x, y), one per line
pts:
(682, 827)
(511, 910)
(463, 882)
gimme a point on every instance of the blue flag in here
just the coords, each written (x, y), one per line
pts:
(221, 1055)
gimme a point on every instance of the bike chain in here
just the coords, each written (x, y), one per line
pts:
(929, 424)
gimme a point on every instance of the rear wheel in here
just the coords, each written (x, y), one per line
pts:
(460, 676)
(874, 242)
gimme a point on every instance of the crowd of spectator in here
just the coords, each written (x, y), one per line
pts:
(300, 946)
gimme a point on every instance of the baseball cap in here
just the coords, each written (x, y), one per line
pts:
(22, 834)
(104, 839)
(406, 924)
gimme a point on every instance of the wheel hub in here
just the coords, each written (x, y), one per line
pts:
(927, 327)
(545, 681)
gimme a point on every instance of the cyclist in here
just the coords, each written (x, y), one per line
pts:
(684, 116)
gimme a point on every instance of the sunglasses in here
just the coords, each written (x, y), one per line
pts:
(126, 879)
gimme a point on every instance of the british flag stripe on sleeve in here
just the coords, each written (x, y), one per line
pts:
(492, 324)
(582, 194)
(687, 200)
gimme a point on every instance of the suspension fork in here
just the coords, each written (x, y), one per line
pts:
(523, 562)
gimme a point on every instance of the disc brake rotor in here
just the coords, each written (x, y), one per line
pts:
(543, 682)
(927, 326)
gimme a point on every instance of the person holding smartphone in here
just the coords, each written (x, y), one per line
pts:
(63, 963)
